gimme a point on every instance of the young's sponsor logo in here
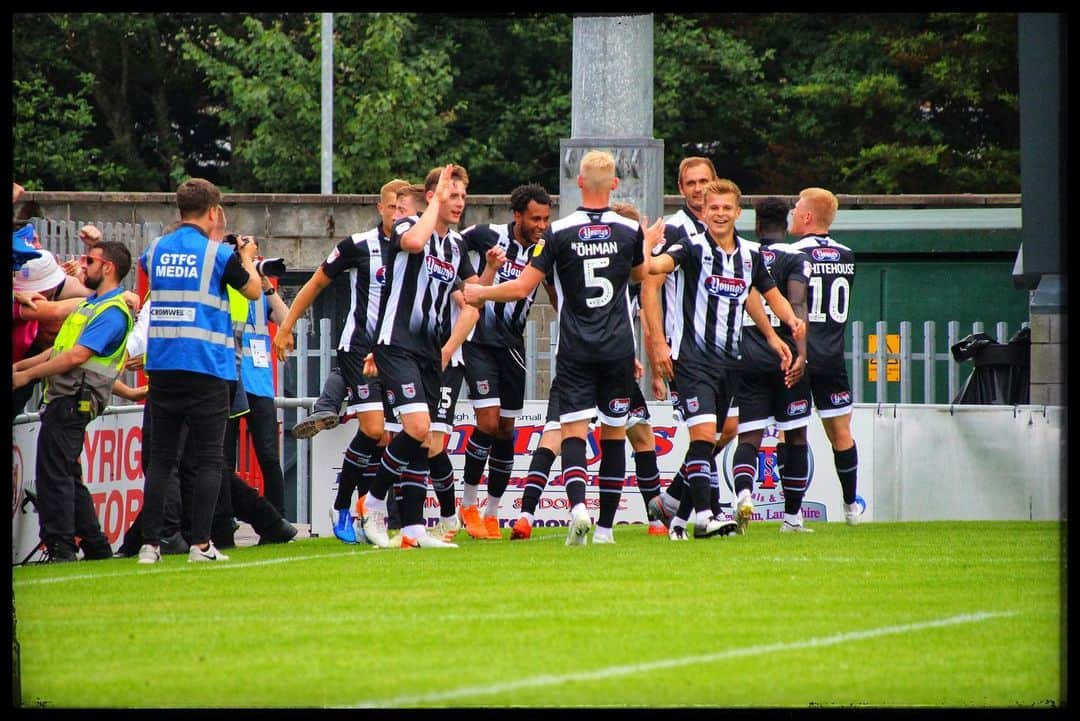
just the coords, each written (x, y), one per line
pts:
(724, 287)
(510, 270)
(840, 399)
(619, 406)
(831, 254)
(594, 232)
(439, 269)
(798, 408)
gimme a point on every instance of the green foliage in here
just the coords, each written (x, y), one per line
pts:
(869, 103)
(49, 139)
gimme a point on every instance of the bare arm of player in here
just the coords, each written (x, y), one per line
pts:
(283, 339)
(494, 259)
(466, 320)
(782, 309)
(797, 299)
(476, 294)
(416, 238)
(756, 309)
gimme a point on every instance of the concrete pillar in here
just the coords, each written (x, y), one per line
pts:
(612, 109)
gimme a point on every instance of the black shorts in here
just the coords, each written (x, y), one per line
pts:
(496, 377)
(706, 391)
(443, 418)
(639, 409)
(362, 393)
(763, 400)
(602, 389)
(410, 382)
(831, 390)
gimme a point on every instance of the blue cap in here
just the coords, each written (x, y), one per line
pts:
(22, 248)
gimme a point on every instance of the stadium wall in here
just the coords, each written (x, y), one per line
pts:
(917, 463)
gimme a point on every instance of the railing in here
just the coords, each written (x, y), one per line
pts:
(61, 237)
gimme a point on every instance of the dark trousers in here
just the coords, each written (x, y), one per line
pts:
(65, 508)
(333, 392)
(201, 401)
(262, 428)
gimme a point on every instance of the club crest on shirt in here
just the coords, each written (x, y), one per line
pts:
(594, 232)
(724, 287)
(408, 390)
(439, 269)
(825, 254)
(618, 406)
(380, 275)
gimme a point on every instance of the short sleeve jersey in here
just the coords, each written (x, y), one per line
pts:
(590, 254)
(828, 299)
(361, 256)
(500, 324)
(711, 294)
(786, 265)
(418, 288)
(680, 224)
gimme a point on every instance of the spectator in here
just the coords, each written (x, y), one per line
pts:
(80, 370)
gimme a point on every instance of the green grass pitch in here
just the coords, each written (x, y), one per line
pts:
(931, 614)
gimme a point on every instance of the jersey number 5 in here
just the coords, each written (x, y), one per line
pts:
(592, 280)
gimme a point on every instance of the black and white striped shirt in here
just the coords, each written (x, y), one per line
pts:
(828, 299)
(361, 255)
(680, 224)
(591, 253)
(418, 288)
(711, 292)
(500, 324)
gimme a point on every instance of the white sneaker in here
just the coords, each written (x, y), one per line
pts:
(852, 513)
(744, 512)
(580, 523)
(374, 527)
(197, 555)
(425, 540)
(149, 554)
(678, 533)
(715, 527)
(788, 527)
(603, 537)
(447, 528)
(358, 529)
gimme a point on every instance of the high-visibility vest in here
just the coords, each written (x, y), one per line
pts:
(253, 331)
(190, 327)
(97, 373)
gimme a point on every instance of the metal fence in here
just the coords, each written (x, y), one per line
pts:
(61, 238)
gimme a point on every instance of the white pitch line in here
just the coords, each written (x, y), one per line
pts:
(223, 566)
(635, 669)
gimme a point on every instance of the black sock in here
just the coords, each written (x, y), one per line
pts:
(397, 456)
(539, 468)
(648, 475)
(357, 456)
(744, 467)
(368, 476)
(574, 474)
(699, 473)
(477, 449)
(500, 464)
(795, 479)
(678, 483)
(611, 476)
(847, 470)
(442, 480)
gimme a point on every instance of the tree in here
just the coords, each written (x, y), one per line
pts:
(390, 101)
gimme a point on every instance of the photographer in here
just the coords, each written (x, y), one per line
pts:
(256, 393)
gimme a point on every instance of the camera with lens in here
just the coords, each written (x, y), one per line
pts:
(268, 267)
